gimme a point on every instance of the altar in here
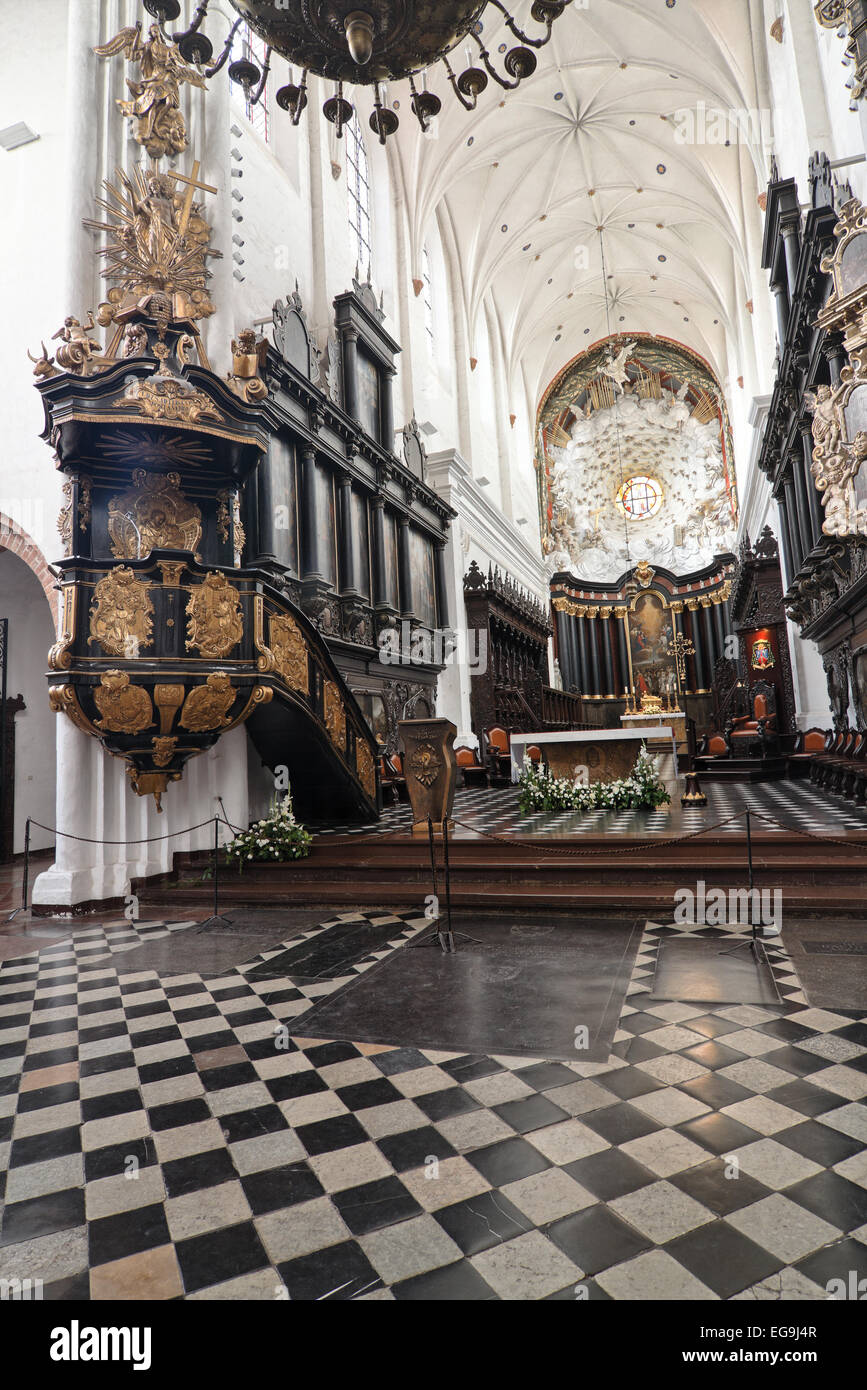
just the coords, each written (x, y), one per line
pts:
(675, 720)
(594, 755)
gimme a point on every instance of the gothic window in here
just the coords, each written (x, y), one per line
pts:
(428, 294)
(358, 179)
(259, 115)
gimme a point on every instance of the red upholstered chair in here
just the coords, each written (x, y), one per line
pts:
(394, 768)
(715, 746)
(499, 757)
(472, 771)
(809, 745)
(756, 732)
(534, 754)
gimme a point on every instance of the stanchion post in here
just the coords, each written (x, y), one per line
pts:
(25, 884)
(448, 877)
(216, 866)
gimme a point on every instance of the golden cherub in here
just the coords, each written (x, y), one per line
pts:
(155, 104)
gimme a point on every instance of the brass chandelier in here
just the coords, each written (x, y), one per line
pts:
(365, 43)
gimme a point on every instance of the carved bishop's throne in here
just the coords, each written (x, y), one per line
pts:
(755, 734)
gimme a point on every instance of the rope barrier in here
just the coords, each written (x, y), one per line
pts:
(151, 839)
(629, 849)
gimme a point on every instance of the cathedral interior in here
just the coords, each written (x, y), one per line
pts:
(438, 521)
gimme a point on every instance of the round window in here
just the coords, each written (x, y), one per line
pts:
(640, 498)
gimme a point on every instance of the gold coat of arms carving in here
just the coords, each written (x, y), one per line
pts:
(214, 611)
(290, 653)
(121, 616)
(153, 515)
(426, 764)
(125, 708)
(334, 715)
(207, 706)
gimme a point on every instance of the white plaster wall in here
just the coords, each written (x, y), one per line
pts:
(31, 633)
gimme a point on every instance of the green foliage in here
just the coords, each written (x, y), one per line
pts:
(641, 790)
(279, 837)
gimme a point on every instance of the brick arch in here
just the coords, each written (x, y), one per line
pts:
(16, 540)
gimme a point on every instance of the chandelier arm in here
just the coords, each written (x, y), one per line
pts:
(519, 33)
(298, 108)
(486, 59)
(256, 97)
(465, 101)
(197, 22)
(227, 49)
(420, 116)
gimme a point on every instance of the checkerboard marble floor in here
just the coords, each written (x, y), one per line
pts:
(778, 806)
(180, 1137)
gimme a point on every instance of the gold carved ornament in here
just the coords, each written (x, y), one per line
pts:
(248, 363)
(207, 706)
(155, 98)
(63, 699)
(164, 751)
(289, 651)
(121, 615)
(836, 459)
(58, 656)
(153, 515)
(168, 700)
(334, 714)
(169, 398)
(214, 611)
(365, 767)
(125, 708)
(425, 764)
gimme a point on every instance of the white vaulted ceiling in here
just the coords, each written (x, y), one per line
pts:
(522, 185)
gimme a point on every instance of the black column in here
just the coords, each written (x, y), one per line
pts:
(813, 500)
(709, 636)
(266, 552)
(346, 537)
(377, 543)
(582, 676)
(609, 656)
(442, 592)
(718, 615)
(780, 294)
(835, 354)
(788, 558)
(386, 411)
(791, 515)
(622, 647)
(701, 681)
(404, 567)
(792, 251)
(311, 564)
(565, 647)
(805, 527)
(350, 372)
(592, 643)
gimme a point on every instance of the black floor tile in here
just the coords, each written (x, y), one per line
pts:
(363, 1095)
(596, 1239)
(373, 1205)
(199, 1171)
(457, 1283)
(442, 1105)
(114, 1159)
(399, 1059)
(718, 1133)
(819, 1142)
(297, 1083)
(414, 1147)
(832, 1198)
(545, 1076)
(100, 1066)
(275, 1188)
(712, 1055)
(114, 1103)
(40, 1216)
(840, 1260)
(339, 1273)
(50, 1095)
(610, 1174)
(809, 1100)
(219, 1256)
(507, 1161)
(710, 1184)
(177, 1113)
(339, 1132)
(533, 1112)
(36, 1148)
(620, 1123)
(252, 1124)
(479, 1223)
(128, 1233)
(723, 1259)
(223, 1078)
(715, 1091)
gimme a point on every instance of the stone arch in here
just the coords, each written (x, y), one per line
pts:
(14, 539)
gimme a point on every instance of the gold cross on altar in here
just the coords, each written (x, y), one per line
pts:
(192, 184)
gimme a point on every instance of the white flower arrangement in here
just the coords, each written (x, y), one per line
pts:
(642, 789)
(277, 838)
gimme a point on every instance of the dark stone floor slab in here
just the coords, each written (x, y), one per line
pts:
(516, 992)
(831, 979)
(705, 972)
